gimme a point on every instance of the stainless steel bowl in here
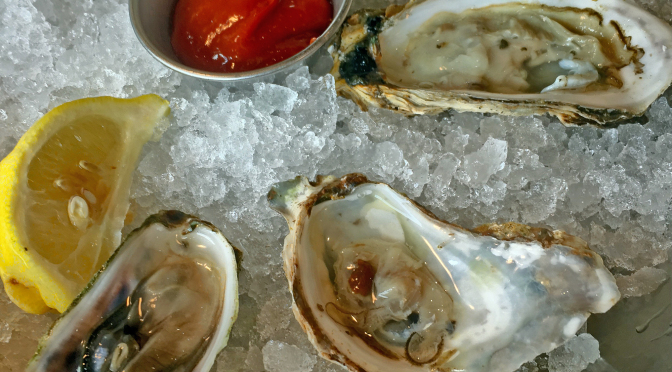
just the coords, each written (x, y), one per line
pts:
(151, 21)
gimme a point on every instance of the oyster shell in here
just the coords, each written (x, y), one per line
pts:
(381, 284)
(166, 300)
(596, 62)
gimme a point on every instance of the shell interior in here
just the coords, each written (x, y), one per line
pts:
(166, 300)
(381, 284)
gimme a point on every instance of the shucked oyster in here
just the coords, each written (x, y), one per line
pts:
(593, 62)
(165, 301)
(380, 284)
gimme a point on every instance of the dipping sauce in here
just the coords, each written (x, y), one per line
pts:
(243, 35)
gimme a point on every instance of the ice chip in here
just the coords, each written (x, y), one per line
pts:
(479, 166)
(575, 355)
(282, 357)
(299, 80)
(271, 97)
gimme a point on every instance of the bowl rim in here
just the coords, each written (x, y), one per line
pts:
(169, 62)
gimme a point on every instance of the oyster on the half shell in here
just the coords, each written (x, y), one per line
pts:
(598, 62)
(380, 284)
(165, 301)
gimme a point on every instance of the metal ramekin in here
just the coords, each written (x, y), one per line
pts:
(151, 21)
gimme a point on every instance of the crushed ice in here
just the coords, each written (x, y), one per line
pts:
(227, 145)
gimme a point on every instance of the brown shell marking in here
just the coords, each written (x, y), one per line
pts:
(513, 231)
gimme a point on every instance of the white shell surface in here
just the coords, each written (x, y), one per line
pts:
(145, 252)
(511, 300)
(646, 31)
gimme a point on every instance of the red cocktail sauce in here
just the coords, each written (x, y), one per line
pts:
(243, 35)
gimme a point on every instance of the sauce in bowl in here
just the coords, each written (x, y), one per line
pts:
(244, 35)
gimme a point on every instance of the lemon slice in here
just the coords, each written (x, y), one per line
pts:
(65, 190)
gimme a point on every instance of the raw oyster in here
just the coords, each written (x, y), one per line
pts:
(165, 301)
(595, 62)
(381, 284)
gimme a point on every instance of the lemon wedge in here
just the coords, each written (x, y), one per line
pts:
(65, 190)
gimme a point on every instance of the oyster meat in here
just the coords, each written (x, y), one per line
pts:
(595, 62)
(380, 284)
(165, 301)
